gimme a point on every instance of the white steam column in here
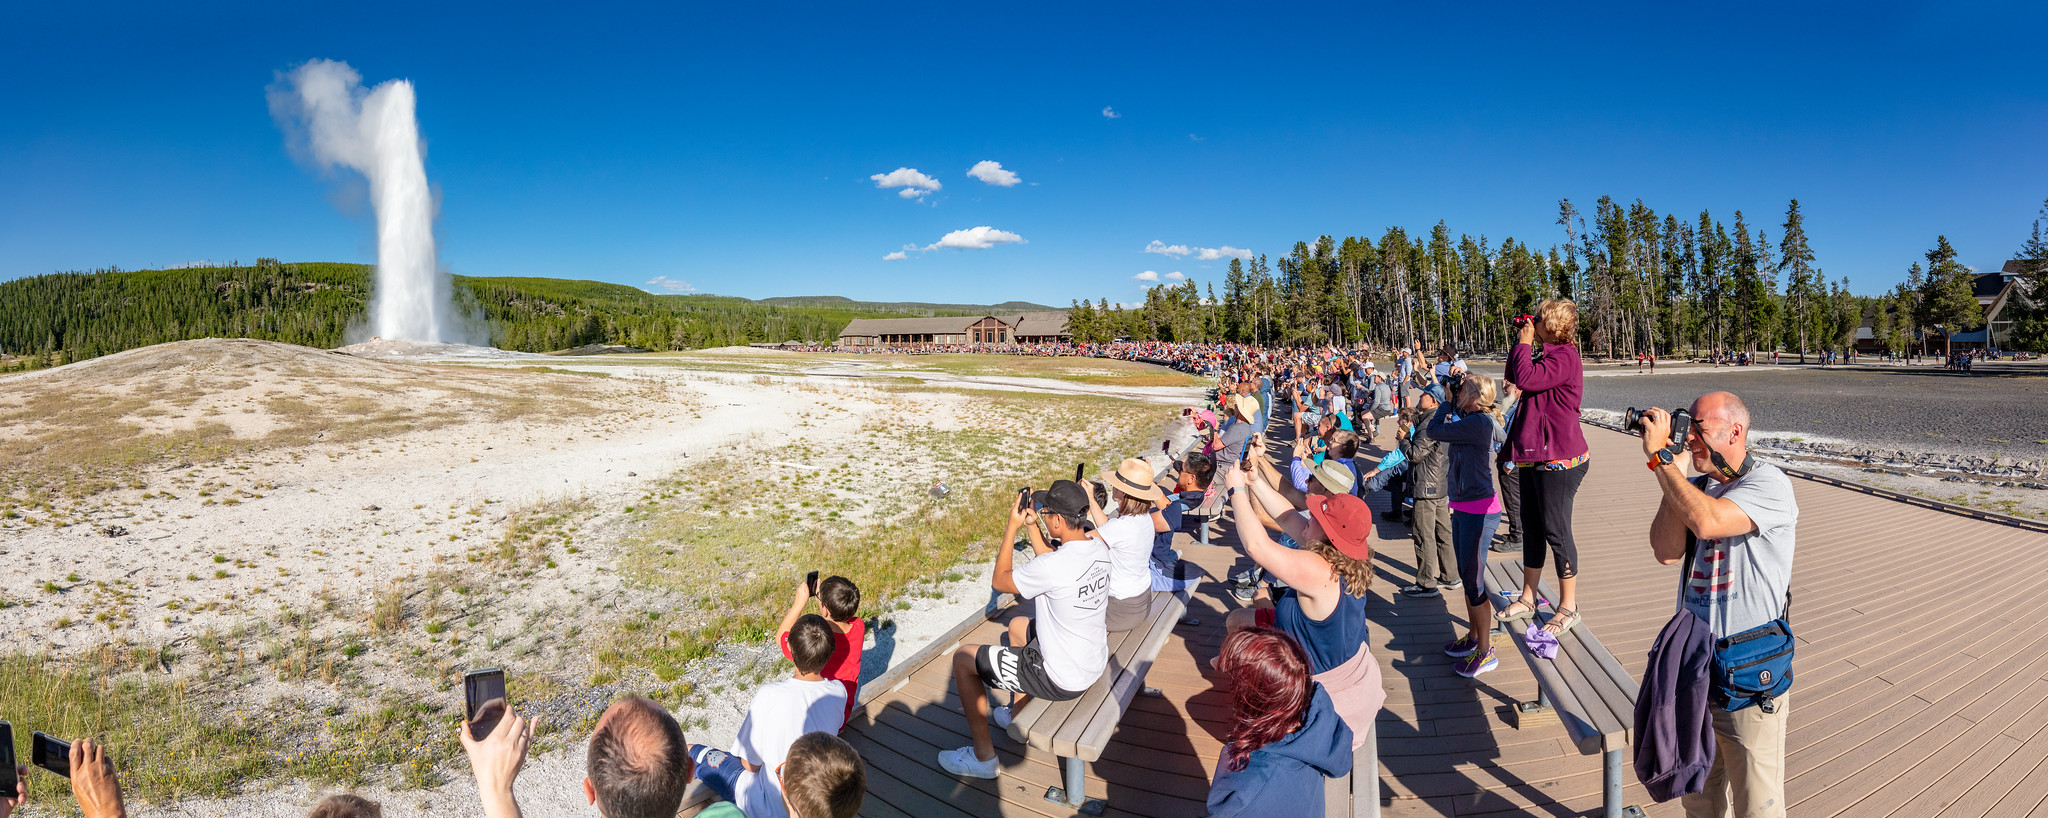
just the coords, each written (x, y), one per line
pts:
(332, 120)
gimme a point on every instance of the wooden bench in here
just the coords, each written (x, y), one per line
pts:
(1584, 688)
(1078, 729)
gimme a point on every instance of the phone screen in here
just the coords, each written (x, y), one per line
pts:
(1080, 472)
(479, 688)
(51, 754)
(10, 786)
(811, 579)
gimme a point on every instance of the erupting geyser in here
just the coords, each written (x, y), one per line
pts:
(333, 120)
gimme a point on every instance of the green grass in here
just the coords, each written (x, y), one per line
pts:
(164, 743)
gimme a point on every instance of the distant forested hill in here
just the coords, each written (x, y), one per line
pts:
(73, 316)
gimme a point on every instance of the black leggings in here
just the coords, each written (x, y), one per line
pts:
(1547, 517)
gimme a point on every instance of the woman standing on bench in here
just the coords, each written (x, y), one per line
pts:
(1549, 452)
(1323, 608)
(1285, 736)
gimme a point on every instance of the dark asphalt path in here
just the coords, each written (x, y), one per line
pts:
(1995, 412)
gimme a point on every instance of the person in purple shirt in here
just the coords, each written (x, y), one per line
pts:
(1549, 454)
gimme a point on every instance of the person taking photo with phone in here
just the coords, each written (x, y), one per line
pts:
(1057, 654)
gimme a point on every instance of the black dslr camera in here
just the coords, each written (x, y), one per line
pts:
(1681, 423)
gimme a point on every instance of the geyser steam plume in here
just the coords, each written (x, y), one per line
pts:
(330, 119)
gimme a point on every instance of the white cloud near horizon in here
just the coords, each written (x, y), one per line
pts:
(975, 238)
(1110, 113)
(896, 256)
(992, 172)
(1165, 249)
(915, 183)
(1176, 276)
(1148, 275)
(1217, 253)
(665, 284)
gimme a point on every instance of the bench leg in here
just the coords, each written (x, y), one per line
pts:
(1075, 793)
(1611, 802)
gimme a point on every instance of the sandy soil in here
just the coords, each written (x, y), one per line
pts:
(322, 484)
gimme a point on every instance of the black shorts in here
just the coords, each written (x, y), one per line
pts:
(1020, 670)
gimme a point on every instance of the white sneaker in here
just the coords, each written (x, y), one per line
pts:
(962, 762)
(1000, 717)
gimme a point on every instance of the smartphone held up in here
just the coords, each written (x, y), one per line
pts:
(47, 752)
(483, 693)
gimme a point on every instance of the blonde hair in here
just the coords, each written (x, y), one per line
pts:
(1356, 574)
(1560, 321)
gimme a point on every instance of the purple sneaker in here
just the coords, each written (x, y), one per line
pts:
(1477, 663)
(1461, 648)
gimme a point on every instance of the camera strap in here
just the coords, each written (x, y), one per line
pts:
(1721, 464)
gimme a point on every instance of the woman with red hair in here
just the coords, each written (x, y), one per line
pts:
(1285, 735)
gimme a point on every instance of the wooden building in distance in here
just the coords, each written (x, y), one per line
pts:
(961, 330)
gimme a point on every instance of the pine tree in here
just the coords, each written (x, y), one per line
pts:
(1948, 300)
(1803, 289)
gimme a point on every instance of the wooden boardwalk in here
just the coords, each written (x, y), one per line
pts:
(1920, 689)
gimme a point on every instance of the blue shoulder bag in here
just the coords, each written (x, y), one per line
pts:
(1753, 667)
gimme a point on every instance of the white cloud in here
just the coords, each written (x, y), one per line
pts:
(1167, 249)
(1148, 275)
(975, 238)
(668, 285)
(1110, 113)
(1226, 251)
(914, 183)
(993, 173)
(896, 256)
(1176, 276)
(1194, 137)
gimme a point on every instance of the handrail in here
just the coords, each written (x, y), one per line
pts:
(1865, 488)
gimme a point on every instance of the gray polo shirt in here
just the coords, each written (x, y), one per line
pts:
(1740, 582)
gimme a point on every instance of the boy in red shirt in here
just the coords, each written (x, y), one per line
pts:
(839, 601)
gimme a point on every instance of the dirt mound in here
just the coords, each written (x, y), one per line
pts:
(213, 356)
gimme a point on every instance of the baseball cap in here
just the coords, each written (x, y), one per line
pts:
(1065, 498)
(1347, 521)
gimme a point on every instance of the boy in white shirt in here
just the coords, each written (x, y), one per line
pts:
(780, 712)
(1056, 655)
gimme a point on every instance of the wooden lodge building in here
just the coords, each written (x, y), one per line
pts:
(962, 330)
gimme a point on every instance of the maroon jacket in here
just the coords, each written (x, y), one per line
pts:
(1547, 416)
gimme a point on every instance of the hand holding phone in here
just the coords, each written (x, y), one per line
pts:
(47, 752)
(483, 693)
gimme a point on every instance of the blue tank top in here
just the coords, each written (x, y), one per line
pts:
(1331, 642)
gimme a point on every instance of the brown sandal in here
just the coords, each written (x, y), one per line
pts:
(1507, 614)
(1569, 617)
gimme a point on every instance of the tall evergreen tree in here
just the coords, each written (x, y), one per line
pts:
(1948, 298)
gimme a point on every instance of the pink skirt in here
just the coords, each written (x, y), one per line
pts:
(1355, 690)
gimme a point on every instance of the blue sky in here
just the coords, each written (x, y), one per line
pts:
(731, 146)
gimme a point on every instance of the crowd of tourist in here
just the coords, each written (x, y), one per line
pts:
(1465, 453)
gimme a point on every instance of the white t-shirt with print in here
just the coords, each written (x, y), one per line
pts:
(1070, 587)
(1130, 555)
(779, 714)
(1740, 582)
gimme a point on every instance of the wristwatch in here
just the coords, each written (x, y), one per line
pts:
(1662, 457)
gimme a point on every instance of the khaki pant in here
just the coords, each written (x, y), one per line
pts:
(1748, 779)
(1435, 562)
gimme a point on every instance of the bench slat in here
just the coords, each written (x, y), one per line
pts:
(1089, 706)
(1096, 732)
(1597, 710)
(1039, 720)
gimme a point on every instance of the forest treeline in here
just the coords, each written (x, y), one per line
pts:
(55, 319)
(1644, 282)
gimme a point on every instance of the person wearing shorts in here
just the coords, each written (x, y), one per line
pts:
(1056, 659)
